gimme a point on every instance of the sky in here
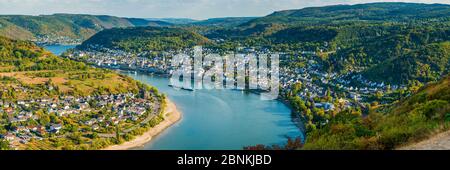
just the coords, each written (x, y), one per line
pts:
(195, 9)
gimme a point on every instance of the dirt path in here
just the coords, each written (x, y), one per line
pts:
(438, 142)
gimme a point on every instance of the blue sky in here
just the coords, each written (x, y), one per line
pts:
(196, 9)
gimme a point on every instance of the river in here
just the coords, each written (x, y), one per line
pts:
(219, 119)
(58, 49)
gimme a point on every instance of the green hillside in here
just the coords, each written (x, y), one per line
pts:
(73, 26)
(29, 65)
(398, 12)
(8, 29)
(145, 38)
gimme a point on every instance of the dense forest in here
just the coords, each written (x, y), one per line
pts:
(145, 39)
(384, 12)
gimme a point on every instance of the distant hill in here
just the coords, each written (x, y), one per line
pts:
(389, 11)
(224, 22)
(75, 26)
(10, 30)
(341, 14)
(139, 22)
(218, 22)
(145, 38)
(428, 63)
(176, 21)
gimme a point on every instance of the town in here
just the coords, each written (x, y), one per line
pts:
(37, 119)
(55, 40)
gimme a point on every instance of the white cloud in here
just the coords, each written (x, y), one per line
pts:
(199, 9)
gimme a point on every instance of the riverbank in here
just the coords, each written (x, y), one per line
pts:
(171, 116)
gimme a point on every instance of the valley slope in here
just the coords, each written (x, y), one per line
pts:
(64, 26)
(145, 39)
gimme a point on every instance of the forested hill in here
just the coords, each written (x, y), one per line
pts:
(340, 15)
(18, 56)
(145, 38)
(73, 26)
(390, 11)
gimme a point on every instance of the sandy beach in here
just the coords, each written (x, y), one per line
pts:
(171, 116)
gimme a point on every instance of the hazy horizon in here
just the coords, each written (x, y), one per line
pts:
(187, 9)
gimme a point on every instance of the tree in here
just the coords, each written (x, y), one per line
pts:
(4, 145)
(293, 144)
(296, 88)
(328, 97)
(320, 112)
(44, 120)
(119, 140)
